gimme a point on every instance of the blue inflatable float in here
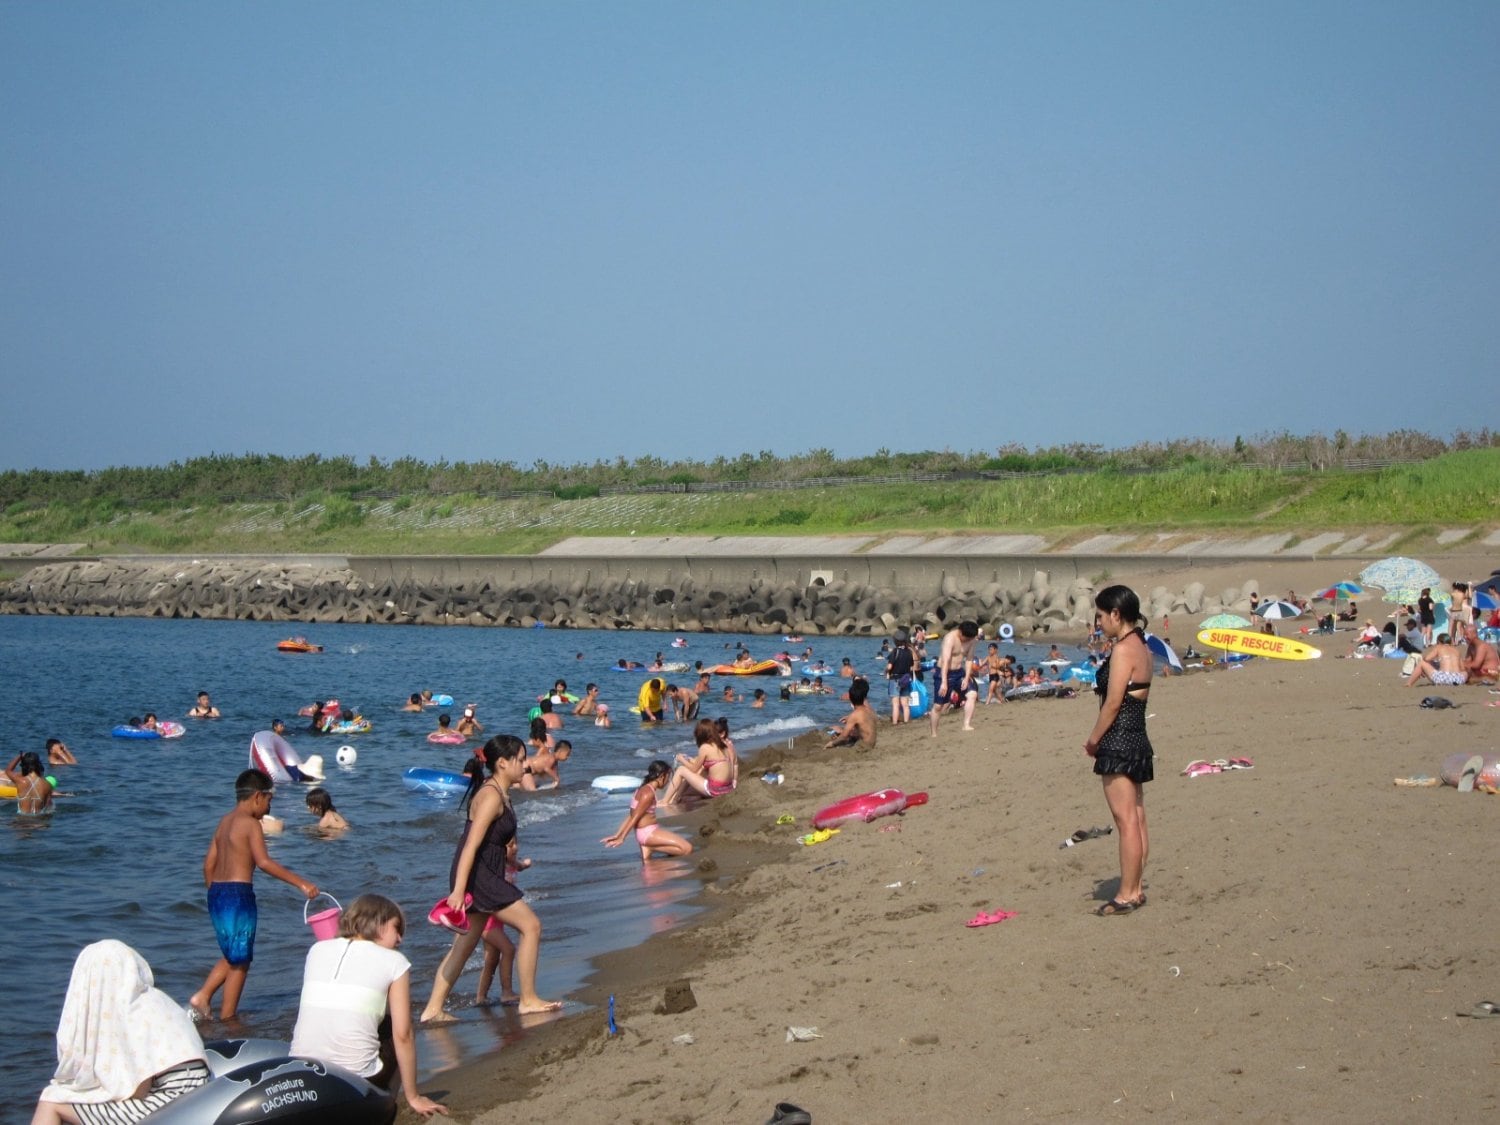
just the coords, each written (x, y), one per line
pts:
(435, 783)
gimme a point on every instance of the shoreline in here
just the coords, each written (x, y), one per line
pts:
(632, 974)
(1015, 1018)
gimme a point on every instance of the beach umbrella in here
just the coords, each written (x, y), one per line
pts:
(1486, 599)
(1163, 650)
(1339, 590)
(1278, 611)
(1399, 573)
(1402, 579)
(1346, 589)
(1224, 621)
(1490, 585)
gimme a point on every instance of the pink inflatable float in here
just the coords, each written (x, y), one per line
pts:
(866, 807)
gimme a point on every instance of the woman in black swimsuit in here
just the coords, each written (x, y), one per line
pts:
(479, 870)
(1118, 743)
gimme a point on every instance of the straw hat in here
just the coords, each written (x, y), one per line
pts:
(312, 767)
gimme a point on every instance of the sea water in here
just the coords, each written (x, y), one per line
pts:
(122, 855)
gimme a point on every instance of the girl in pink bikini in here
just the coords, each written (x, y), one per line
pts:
(641, 819)
(711, 773)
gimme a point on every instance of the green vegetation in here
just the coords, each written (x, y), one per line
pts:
(258, 504)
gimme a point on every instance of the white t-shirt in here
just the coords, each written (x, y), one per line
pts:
(344, 987)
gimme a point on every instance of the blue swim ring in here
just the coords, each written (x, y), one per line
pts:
(125, 730)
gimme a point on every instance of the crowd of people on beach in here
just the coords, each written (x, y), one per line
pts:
(1464, 652)
(338, 1023)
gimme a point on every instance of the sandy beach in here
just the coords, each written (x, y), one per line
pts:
(1312, 929)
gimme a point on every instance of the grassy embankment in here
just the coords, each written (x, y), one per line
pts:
(1451, 490)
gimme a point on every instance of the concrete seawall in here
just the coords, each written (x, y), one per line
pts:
(781, 592)
(907, 575)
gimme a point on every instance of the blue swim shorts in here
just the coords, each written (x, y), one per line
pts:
(956, 686)
(231, 908)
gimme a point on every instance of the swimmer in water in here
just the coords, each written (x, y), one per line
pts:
(320, 804)
(204, 708)
(33, 790)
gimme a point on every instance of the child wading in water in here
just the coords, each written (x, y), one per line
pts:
(320, 804)
(237, 849)
(499, 950)
(649, 835)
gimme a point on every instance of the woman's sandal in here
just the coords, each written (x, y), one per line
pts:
(1115, 906)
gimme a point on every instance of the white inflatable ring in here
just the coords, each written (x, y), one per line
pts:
(1007, 632)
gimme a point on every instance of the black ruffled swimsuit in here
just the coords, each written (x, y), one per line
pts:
(492, 891)
(1124, 747)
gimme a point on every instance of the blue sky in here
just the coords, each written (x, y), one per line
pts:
(579, 231)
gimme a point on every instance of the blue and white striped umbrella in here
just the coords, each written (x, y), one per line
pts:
(1277, 611)
(1163, 650)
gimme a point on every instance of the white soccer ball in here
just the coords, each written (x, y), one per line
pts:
(347, 755)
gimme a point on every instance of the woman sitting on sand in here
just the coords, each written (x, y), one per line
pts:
(710, 773)
(355, 1010)
(124, 1047)
(1118, 743)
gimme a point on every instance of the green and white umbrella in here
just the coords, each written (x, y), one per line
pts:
(1224, 621)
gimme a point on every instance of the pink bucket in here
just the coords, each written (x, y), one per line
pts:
(325, 923)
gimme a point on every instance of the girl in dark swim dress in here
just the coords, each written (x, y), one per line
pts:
(1118, 743)
(478, 870)
(1124, 747)
(492, 891)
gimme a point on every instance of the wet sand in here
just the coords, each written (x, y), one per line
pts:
(1311, 933)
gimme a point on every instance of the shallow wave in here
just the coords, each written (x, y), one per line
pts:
(538, 808)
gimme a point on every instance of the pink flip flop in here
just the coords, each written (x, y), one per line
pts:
(984, 919)
(454, 920)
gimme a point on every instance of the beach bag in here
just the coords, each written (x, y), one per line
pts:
(1409, 665)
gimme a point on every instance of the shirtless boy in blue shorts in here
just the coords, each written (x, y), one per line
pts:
(237, 849)
(953, 680)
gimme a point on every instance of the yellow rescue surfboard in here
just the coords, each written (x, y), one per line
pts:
(1258, 644)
